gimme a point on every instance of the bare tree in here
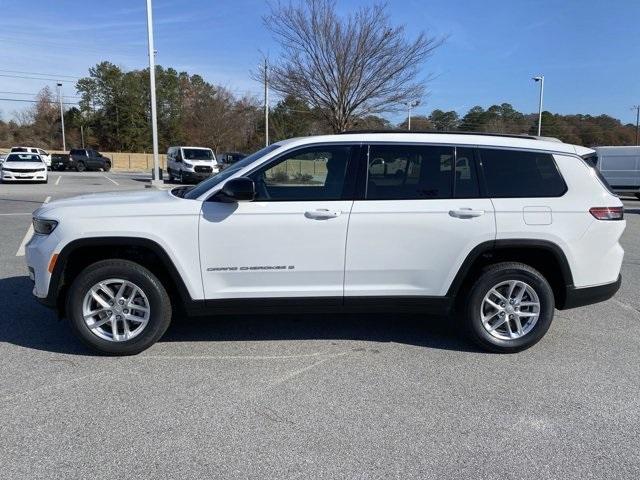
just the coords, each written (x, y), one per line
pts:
(346, 68)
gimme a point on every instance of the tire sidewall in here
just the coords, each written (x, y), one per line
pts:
(81, 167)
(488, 281)
(158, 302)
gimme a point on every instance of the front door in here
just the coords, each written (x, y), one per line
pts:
(419, 219)
(289, 241)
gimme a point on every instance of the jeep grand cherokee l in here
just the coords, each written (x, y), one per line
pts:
(496, 231)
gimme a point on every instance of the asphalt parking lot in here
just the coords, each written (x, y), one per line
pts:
(316, 396)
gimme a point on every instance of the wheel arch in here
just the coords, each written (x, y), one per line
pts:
(80, 253)
(545, 256)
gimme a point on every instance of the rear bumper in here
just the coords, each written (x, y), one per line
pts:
(579, 297)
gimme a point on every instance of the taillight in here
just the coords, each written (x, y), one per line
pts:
(607, 213)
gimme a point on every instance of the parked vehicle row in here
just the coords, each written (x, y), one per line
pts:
(494, 231)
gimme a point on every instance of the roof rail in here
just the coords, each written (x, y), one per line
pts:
(435, 132)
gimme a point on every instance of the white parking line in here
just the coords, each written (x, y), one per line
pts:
(111, 180)
(13, 214)
(58, 180)
(28, 235)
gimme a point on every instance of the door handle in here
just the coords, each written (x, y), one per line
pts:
(321, 214)
(466, 213)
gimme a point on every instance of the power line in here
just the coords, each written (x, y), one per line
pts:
(36, 78)
(34, 101)
(36, 94)
(41, 74)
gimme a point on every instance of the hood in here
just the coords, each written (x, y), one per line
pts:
(23, 165)
(111, 204)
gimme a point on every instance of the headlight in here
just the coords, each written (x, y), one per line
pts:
(42, 170)
(188, 166)
(44, 227)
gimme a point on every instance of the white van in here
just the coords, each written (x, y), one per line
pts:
(620, 166)
(191, 164)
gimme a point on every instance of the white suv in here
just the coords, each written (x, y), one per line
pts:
(498, 230)
(46, 157)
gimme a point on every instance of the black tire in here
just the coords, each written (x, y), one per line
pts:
(491, 276)
(107, 166)
(170, 175)
(80, 167)
(159, 303)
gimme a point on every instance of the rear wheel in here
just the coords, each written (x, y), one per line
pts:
(107, 166)
(118, 307)
(509, 309)
(80, 166)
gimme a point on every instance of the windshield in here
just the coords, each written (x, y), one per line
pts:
(197, 154)
(24, 157)
(211, 182)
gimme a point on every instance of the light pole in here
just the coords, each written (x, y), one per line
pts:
(155, 181)
(410, 105)
(64, 142)
(540, 78)
(637, 109)
(266, 103)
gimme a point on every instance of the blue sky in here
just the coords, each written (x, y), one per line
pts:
(589, 50)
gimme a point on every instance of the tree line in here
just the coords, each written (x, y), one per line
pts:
(114, 115)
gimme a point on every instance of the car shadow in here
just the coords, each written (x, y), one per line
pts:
(26, 323)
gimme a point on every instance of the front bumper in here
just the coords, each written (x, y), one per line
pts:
(196, 176)
(21, 177)
(38, 253)
(579, 297)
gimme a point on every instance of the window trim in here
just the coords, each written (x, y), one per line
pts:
(349, 188)
(543, 152)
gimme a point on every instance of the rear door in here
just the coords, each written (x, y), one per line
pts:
(420, 216)
(289, 241)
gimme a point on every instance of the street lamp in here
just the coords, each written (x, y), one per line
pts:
(64, 143)
(411, 105)
(155, 181)
(540, 78)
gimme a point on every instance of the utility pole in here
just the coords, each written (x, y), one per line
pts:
(411, 105)
(540, 78)
(637, 109)
(82, 135)
(266, 103)
(64, 142)
(155, 181)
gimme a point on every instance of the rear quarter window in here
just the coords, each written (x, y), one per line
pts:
(519, 174)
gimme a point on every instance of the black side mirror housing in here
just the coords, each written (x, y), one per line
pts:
(241, 189)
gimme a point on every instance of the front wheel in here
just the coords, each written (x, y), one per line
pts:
(118, 307)
(509, 309)
(80, 167)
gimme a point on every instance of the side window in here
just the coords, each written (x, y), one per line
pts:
(409, 172)
(315, 173)
(516, 174)
(466, 182)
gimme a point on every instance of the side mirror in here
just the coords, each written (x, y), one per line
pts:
(241, 189)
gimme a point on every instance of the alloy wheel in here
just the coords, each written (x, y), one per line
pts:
(510, 310)
(116, 310)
